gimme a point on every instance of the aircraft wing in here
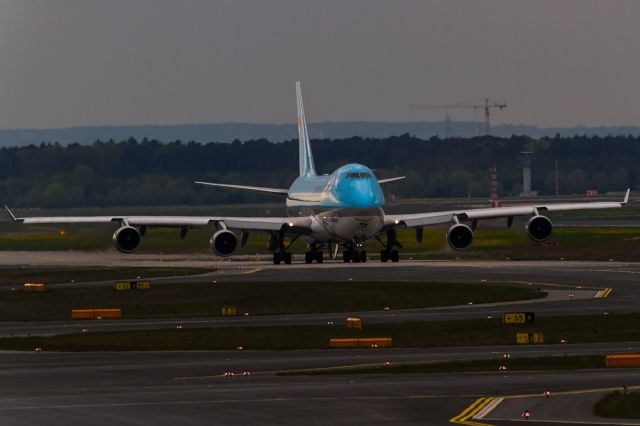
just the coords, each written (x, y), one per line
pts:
(300, 225)
(434, 218)
(265, 190)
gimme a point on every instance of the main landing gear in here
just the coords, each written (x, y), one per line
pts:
(281, 256)
(280, 253)
(389, 253)
(386, 255)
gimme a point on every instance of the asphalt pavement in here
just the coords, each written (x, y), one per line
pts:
(191, 387)
(167, 388)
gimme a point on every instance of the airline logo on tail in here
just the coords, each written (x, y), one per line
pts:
(306, 157)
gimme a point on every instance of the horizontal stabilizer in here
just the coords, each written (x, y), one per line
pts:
(390, 179)
(11, 213)
(247, 188)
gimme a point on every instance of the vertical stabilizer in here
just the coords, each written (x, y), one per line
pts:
(305, 155)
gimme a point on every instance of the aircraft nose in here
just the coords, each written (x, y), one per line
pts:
(360, 193)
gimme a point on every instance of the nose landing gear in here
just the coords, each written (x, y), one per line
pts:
(354, 253)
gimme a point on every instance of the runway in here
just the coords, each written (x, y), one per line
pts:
(166, 388)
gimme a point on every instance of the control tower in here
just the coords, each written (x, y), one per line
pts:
(525, 159)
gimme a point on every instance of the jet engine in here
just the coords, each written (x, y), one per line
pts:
(126, 239)
(539, 228)
(223, 243)
(459, 236)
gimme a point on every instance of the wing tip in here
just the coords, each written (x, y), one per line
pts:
(626, 196)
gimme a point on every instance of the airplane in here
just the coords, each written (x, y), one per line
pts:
(343, 209)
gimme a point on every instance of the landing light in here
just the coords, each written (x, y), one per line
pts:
(397, 221)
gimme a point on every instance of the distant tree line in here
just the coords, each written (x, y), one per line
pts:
(148, 172)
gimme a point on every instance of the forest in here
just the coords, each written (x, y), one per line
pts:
(148, 172)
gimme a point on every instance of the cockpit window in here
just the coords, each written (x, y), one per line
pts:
(358, 175)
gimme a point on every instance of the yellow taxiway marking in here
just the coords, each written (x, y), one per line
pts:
(605, 292)
(253, 271)
(534, 283)
(470, 411)
(602, 292)
(573, 392)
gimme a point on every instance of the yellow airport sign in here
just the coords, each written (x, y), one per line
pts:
(518, 317)
(122, 285)
(141, 285)
(228, 311)
(131, 285)
(530, 338)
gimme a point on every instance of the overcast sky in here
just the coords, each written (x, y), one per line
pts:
(85, 62)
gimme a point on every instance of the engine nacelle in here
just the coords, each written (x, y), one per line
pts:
(223, 243)
(539, 228)
(459, 236)
(126, 239)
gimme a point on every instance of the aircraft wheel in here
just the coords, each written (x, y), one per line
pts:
(363, 256)
(384, 256)
(318, 256)
(287, 258)
(395, 256)
(276, 258)
(308, 257)
(346, 256)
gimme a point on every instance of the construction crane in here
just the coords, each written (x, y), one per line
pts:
(485, 103)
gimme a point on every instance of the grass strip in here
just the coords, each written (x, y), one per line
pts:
(477, 332)
(257, 298)
(619, 405)
(548, 363)
(15, 277)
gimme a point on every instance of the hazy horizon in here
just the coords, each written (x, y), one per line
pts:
(76, 63)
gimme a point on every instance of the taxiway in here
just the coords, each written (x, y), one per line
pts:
(166, 388)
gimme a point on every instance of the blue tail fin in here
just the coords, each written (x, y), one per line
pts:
(305, 155)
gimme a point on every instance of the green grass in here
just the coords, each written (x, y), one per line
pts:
(490, 242)
(547, 363)
(619, 405)
(257, 298)
(52, 275)
(478, 332)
